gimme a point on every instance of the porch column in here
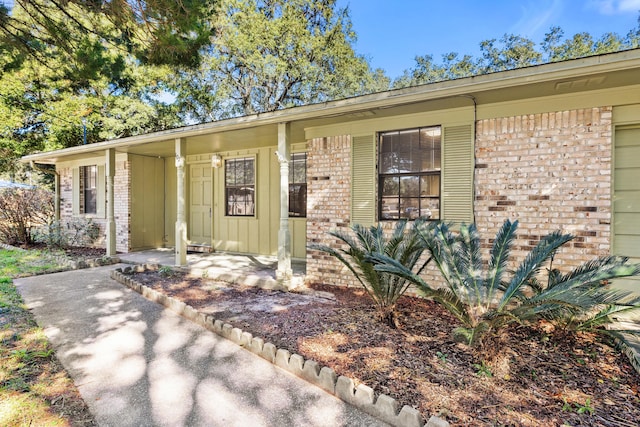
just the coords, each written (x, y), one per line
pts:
(110, 170)
(284, 272)
(181, 221)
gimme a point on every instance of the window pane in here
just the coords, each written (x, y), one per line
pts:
(389, 208)
(409, 208)
(298, 200)
(409, 186)
(230, 172)
(430, 185)
(430, 208)
(391, 186)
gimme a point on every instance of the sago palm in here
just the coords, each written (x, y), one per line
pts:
(402, 245)
(486, 299)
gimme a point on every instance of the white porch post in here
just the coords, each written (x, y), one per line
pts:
(181, 221)
(284, 272)
(110, 170)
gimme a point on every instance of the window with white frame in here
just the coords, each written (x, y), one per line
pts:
(409, 174)
(240, 186)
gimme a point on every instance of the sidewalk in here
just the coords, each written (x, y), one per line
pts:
(138, 364)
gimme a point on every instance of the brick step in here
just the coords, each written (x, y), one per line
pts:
(203, 249)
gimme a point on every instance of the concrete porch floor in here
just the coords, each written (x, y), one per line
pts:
(253, 270)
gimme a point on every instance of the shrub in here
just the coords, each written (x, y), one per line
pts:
(22, 210)
(486, 300)
(64, 234)
(401, 246)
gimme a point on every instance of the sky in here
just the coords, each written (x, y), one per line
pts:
(391, 33)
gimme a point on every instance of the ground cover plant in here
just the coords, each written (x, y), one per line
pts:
(35, 390)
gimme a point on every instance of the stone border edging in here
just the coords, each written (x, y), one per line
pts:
(362, 397)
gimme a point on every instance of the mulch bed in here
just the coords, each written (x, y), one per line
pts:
(528, 376)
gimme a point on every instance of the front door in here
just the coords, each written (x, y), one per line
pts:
(200, 212)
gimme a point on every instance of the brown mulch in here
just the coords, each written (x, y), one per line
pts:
(529, 376)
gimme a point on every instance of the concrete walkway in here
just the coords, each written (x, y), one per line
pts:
(138, 364)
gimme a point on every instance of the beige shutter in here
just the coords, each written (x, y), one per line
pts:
(75, 190)
(457, 174)
(363, 180)
(100, 192)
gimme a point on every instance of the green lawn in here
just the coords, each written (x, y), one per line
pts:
(34, 388)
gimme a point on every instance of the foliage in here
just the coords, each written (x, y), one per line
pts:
(484, 301)
(68, 233)
(269, 55)
(20, 211)
(402, 246)
(512, 51)
(100, 92)
(156, 31)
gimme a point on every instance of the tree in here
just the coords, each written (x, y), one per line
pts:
(513, 51)
(45, 106)
(274, 54)
(155, 31)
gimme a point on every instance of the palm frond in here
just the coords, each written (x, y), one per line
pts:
(532, 263)
(499, 260)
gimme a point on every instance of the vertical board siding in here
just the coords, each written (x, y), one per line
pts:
(626, 239)
(457, 174)
(363, 180)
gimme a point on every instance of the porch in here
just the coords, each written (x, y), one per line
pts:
(246, 269)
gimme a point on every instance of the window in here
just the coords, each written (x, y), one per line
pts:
(240, 186)
(298, 185)
(89, 189)
(409, 174)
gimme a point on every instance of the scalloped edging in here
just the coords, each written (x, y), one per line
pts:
(362, 397)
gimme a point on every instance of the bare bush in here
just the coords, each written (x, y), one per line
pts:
(22, 210)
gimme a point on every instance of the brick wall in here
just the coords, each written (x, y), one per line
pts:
(550, 171)
(328, 206)
(66, 204)
(122, 204)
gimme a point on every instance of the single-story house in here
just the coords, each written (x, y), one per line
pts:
(556, 146)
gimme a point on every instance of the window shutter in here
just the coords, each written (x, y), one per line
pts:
(75, 190)
(363, 180)
(100, 192)
(458, 165)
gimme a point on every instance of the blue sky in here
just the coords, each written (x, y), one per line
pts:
(392, 32)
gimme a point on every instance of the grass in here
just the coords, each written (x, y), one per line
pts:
(34, 388)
